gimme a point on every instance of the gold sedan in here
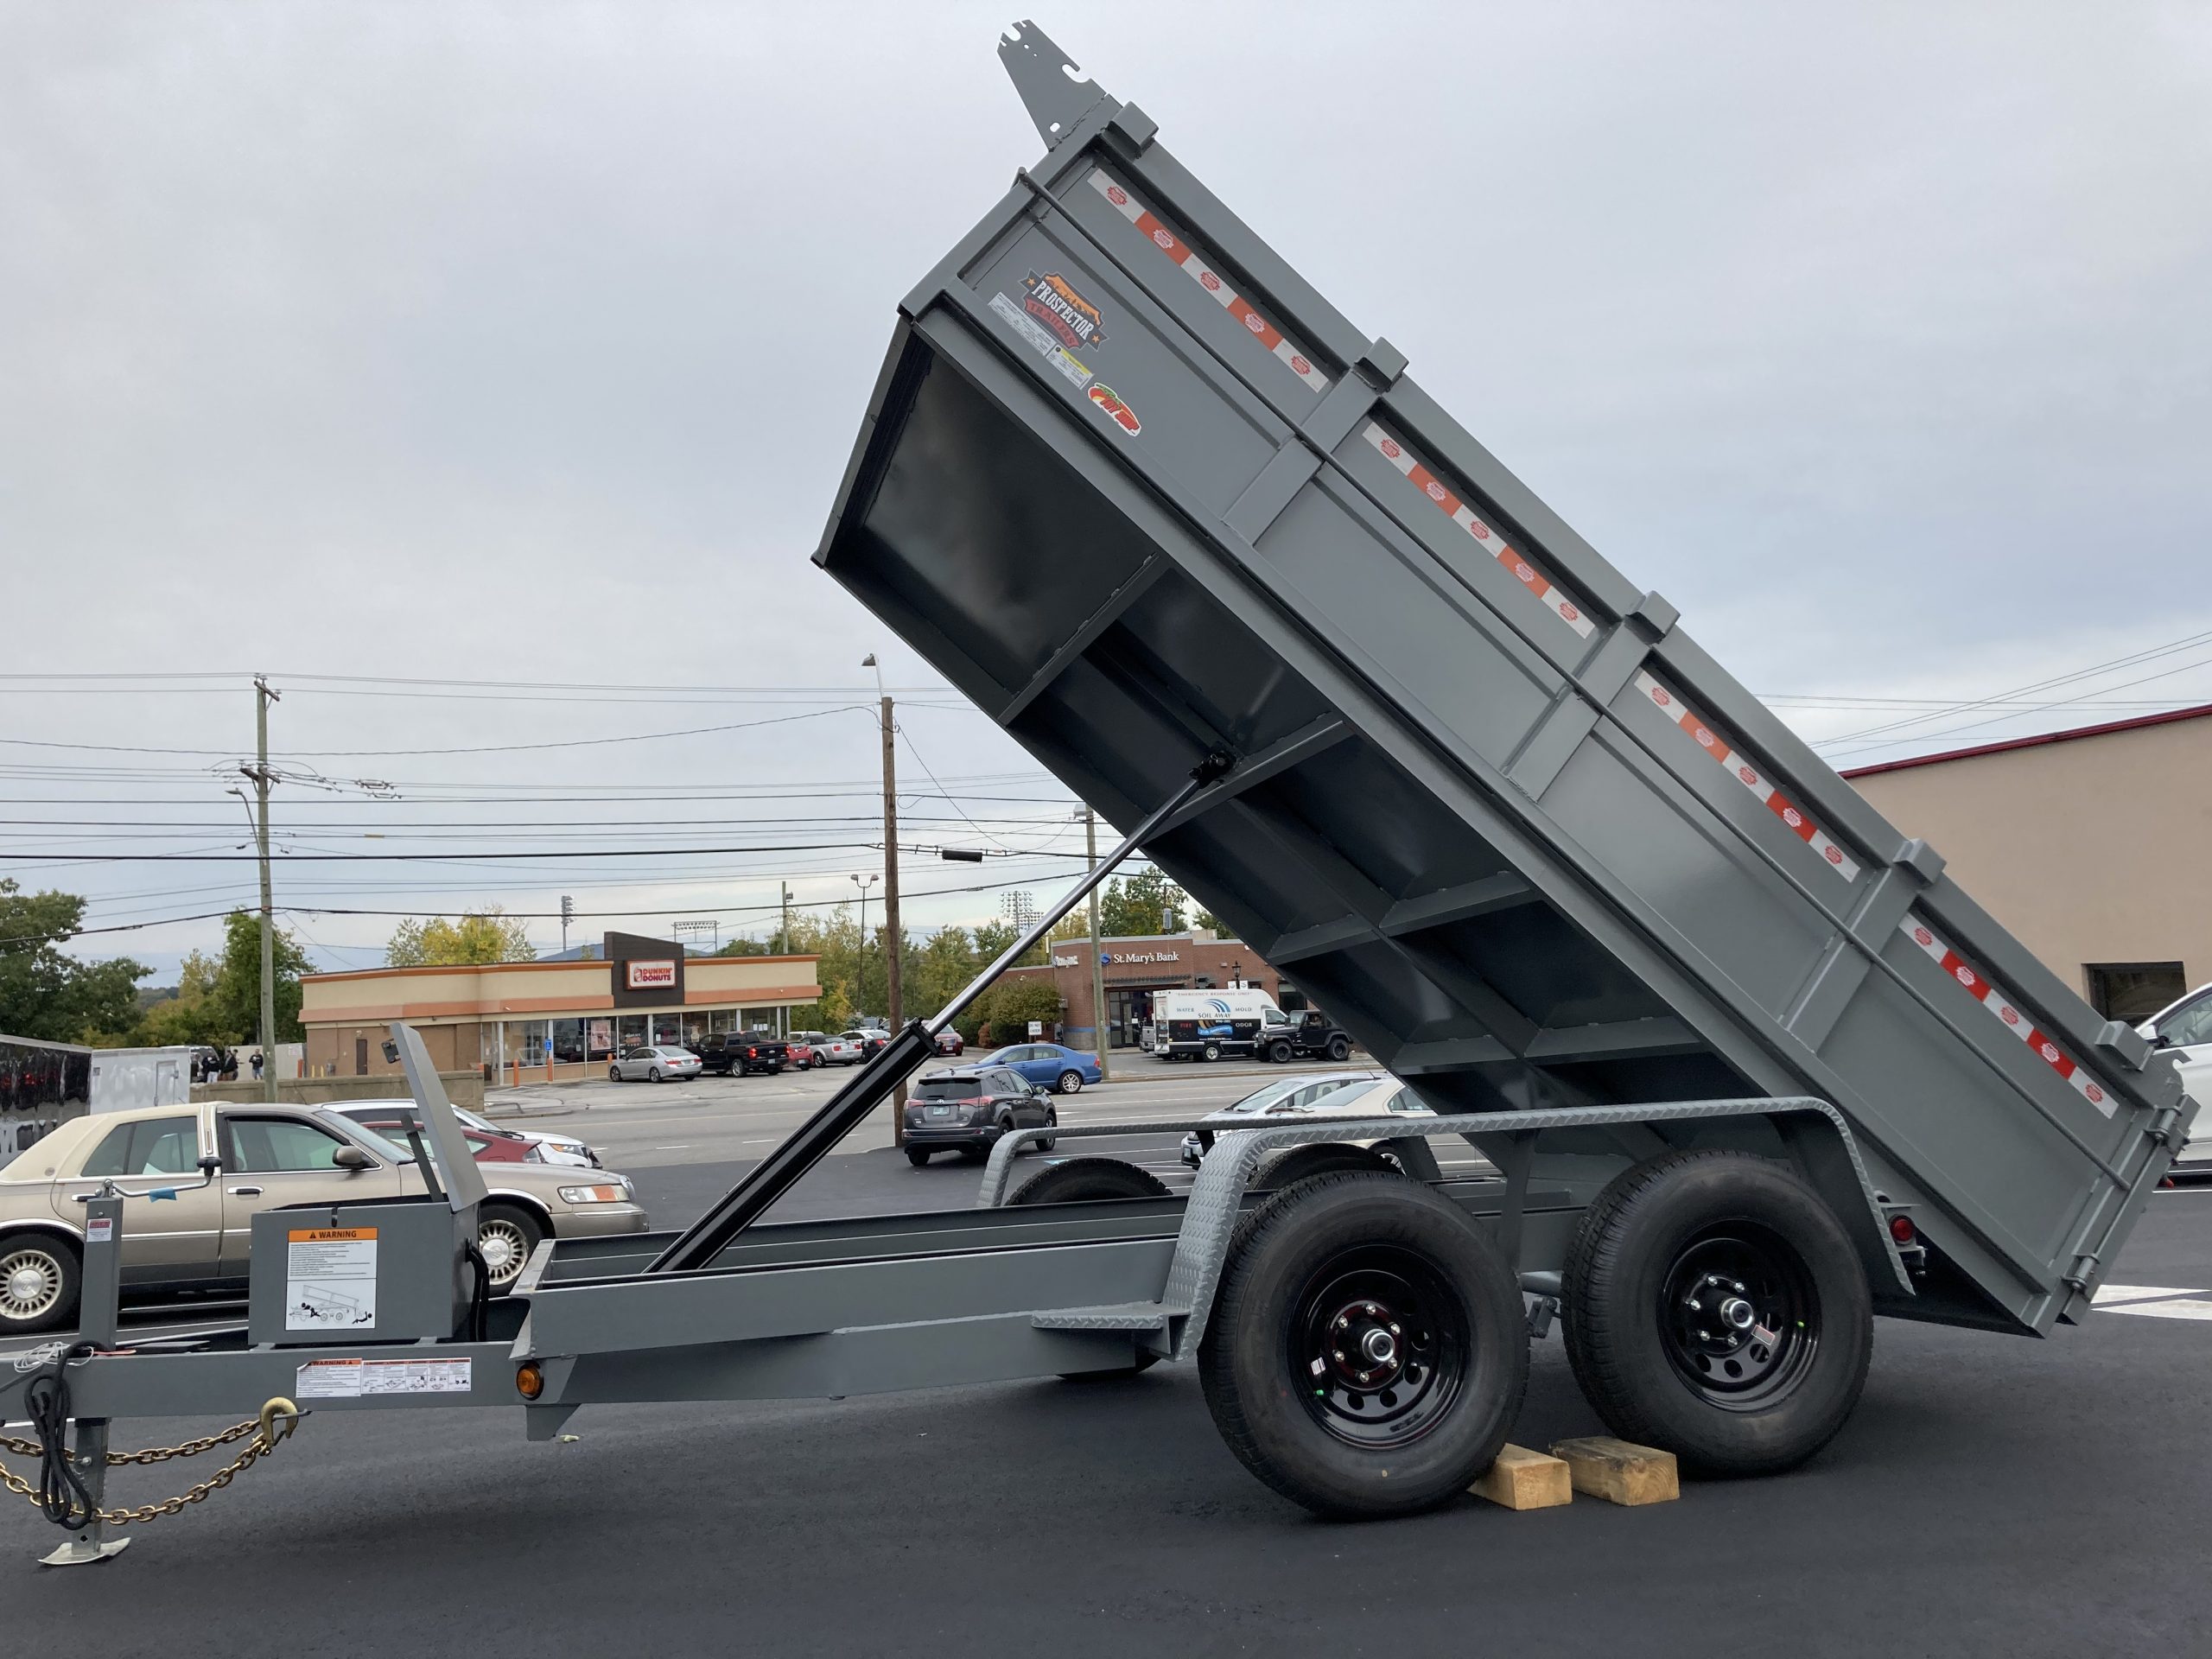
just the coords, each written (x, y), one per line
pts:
(271, 1156)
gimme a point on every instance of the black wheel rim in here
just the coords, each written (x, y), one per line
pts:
(1740, 1316)
(1379, 1346)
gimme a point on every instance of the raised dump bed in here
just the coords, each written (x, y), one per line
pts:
(1142, 494)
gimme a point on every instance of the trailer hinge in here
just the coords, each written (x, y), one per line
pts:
(1056, 93)
(2084, 1270)
(2163, 1131)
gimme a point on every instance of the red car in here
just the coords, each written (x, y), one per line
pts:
(801, 1055)
(948, 1041)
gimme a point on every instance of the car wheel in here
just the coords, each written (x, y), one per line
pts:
(1052, 1121)
(1212, 1051)
(653, 1074)
(506, 1234)
(1714, 1306)
(39, 1281)
(1368, 1348)
(1340, 1049)
(918, 1155)
(614, 1074)
(1071, 1082)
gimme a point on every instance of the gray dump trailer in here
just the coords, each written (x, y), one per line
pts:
(1751, 1068)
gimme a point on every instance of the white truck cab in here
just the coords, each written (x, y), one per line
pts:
(2185, 1030)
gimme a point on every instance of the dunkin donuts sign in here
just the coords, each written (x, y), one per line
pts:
(650, 976)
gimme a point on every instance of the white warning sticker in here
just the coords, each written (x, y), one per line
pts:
(1035, 333)
(100, 1230)
(330, 1278)
(351, 1379)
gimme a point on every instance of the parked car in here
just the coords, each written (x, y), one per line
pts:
(829, 1049)
(653, 1062)
(798, 1054)
(966, 1108)
(2185, 1028)
(1064, 1069)
(1327, 1094)
(740, 1054)
(271, 1155)
(392, 1121)
(949, 1041)
(872, 1040)
(550, 1149)
(1311, 1035)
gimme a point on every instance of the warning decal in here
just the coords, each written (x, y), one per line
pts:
(1037, 336)
(353, 1379)
(330, 1278)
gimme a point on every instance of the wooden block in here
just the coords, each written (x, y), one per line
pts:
(1522, 1480)
(1619, 1472)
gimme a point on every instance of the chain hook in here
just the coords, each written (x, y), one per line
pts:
(275, 1408)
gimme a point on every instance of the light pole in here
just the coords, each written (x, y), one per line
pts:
(1097, 964)
(859, 959)
(895, 953)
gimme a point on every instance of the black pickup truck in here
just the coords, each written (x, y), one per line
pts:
(733, 1054)
(1311, 1035)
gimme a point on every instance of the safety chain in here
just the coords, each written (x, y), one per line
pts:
(271, 1429)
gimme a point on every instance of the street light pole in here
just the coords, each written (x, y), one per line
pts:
(859, 957)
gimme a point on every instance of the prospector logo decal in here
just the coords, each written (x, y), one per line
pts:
(1052, 299)
(1124, 416)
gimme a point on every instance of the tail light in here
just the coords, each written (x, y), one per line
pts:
(1902, 1230)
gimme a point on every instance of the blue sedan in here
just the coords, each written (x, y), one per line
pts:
(1055, 1067)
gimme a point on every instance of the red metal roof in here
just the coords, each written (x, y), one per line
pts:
(2166, 719)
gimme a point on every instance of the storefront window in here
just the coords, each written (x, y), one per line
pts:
(694, 1030)
(668, 1030)
(631, 1030)
(598, 1034)
(567, 1041)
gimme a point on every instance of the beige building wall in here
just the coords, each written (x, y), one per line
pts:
(2094, 849)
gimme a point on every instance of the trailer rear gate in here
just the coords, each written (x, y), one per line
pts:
(1142, 494)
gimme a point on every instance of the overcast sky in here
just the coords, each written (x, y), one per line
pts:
(525, 343)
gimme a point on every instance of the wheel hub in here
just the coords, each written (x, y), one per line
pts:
(1380, 1350)
(1738, 1318)
(29, 1284)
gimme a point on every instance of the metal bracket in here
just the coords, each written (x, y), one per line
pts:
(1048, 81)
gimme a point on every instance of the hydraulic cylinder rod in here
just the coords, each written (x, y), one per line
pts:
(777, 1174)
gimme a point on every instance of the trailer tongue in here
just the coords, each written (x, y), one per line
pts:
(1752, 1066)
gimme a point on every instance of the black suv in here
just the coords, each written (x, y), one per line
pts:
(1311, 1035)
(965, 1109)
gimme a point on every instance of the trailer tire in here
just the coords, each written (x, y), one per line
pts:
(1300, 1163)
(40, 1278)
(1438, 1393)
(1763, 1368)
(1083, 1180)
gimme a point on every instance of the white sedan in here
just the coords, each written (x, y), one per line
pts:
(653, 1064)
(1332, 1094)
(2185, 1030)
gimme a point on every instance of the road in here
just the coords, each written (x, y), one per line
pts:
(1991, 1495)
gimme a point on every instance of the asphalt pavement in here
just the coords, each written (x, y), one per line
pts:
(1991, 1495)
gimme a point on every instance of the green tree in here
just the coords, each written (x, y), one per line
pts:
(234, 996)
(1002, 1013)
(190, 1016)
(1147, 902)
(1221, 930)
(47, 995)
(479, 936)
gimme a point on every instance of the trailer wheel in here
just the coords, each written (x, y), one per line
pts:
(1368, 1348)
(1302, 1162)
(1082, 1180)
(1714, 1307)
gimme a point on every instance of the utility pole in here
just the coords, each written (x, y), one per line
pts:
(262, 696)
(784, 939)
(567, 915)
(893, 944)
(1097, 963)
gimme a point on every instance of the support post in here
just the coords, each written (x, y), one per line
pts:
(99, 1291)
